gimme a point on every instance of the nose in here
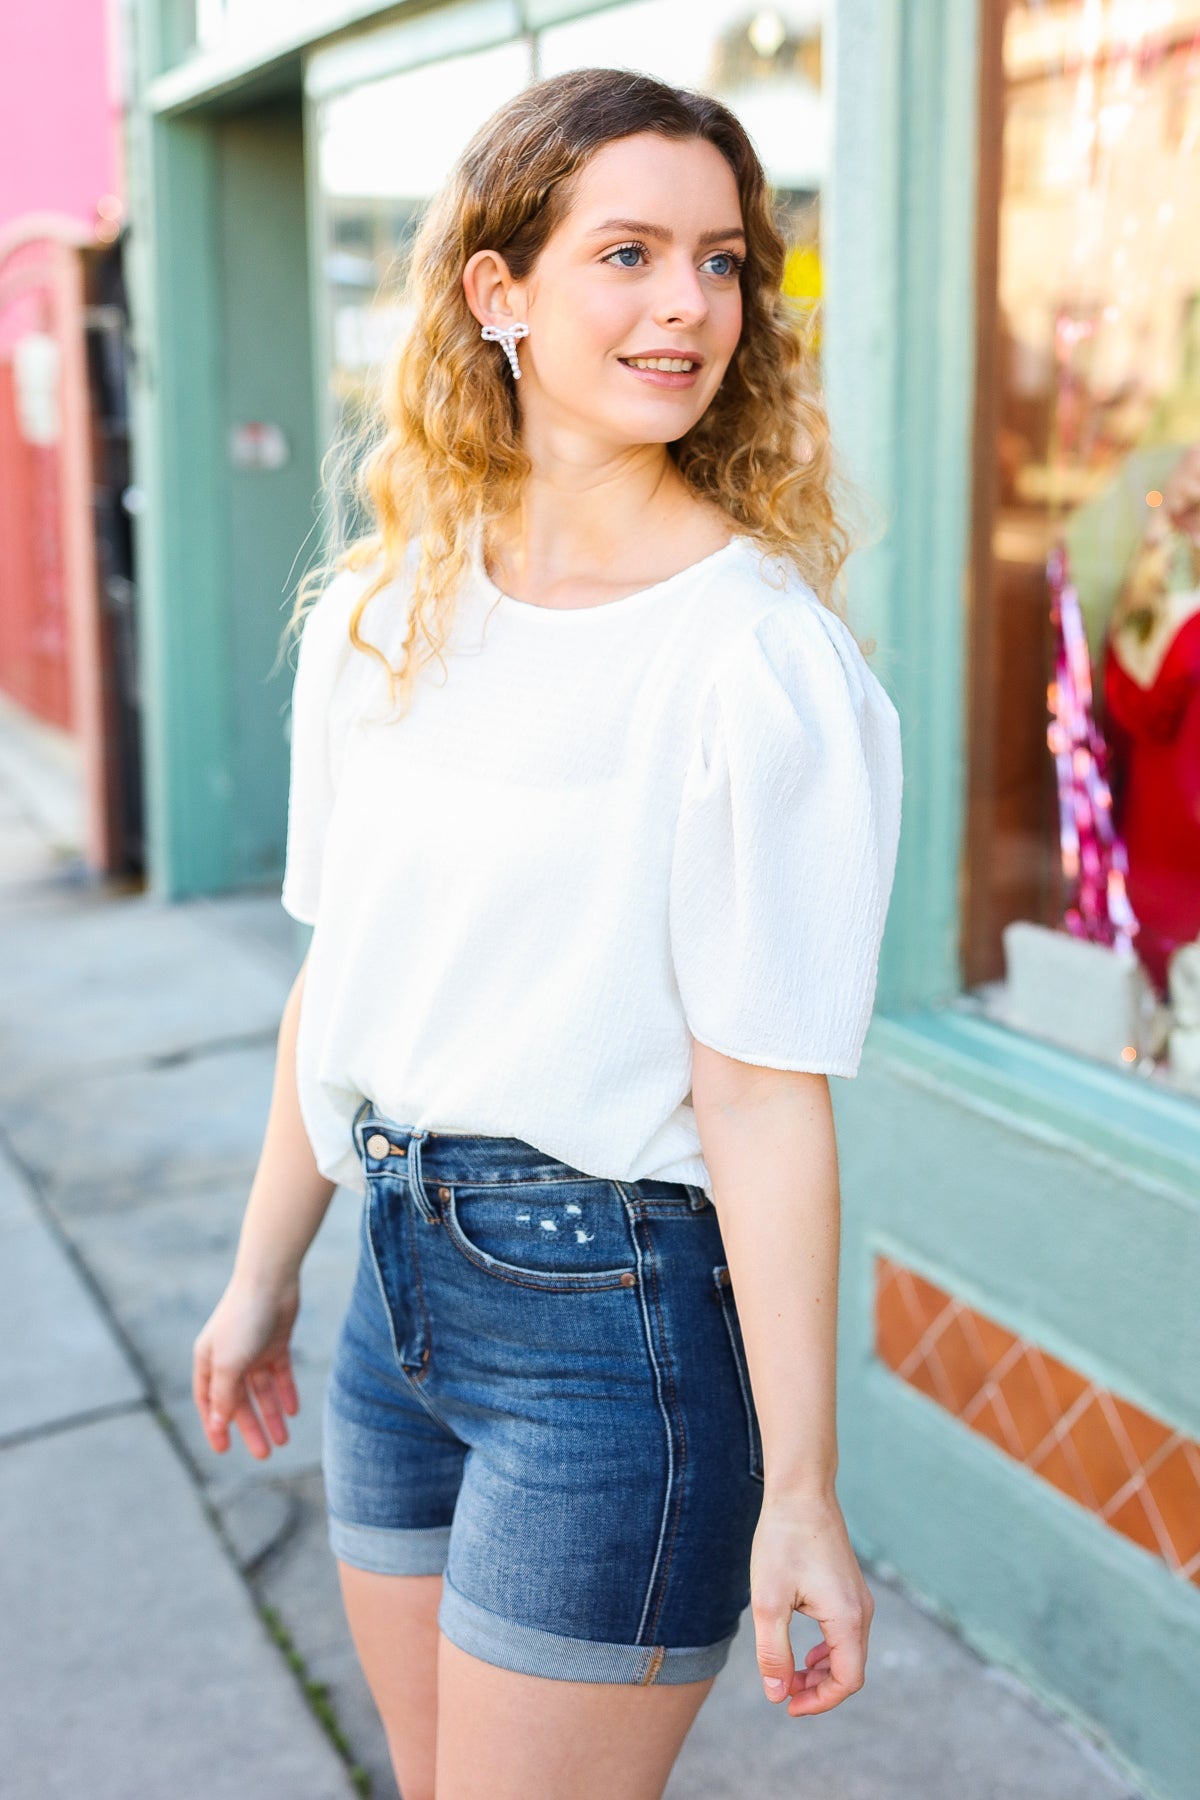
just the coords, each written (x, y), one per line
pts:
(681, 299)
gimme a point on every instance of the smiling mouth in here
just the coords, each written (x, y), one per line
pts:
(673, 365)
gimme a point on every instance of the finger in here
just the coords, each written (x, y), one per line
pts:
(773, 1648)
(200, 1380)
(225, 1395)
(286, 1383)
(816, 1664)
(262, 1385)
(847, 1661)
(827, 1694)
(828, 1690)
(806, 1679)
(247, 1421)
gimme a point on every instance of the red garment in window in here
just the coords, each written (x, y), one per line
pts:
(1154, 734)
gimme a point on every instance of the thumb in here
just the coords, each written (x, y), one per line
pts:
(773, 1648)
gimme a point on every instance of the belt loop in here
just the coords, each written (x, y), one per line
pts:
(416, 1184)
(697, 1198)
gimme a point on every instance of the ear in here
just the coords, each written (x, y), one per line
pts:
(492, 294)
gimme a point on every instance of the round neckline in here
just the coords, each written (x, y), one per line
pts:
(640, 594)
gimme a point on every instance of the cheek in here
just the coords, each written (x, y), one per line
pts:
(587, 317)
(731, 322)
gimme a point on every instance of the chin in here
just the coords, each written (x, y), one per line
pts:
(654, 424)
(667, 435)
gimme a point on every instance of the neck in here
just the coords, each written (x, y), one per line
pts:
(580, 505)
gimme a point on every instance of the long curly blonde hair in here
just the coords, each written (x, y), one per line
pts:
(444, 458)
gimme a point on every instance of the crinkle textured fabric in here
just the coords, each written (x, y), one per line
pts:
(540, 1392)
(597, 834)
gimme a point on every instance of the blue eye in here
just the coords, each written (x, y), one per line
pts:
(634, 250)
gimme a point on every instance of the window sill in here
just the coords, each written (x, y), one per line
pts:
(1134, 1117)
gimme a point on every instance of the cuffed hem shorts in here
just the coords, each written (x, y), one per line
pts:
(539, 1391)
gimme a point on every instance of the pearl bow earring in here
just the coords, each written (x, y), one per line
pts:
(506, 336)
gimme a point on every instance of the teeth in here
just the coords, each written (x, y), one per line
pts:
(674, 364)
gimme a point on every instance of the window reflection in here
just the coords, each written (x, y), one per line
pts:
(763, 62)
(384, 148)
(1094, 428)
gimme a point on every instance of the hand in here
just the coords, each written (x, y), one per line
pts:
(243, 1350)
(801, 1561)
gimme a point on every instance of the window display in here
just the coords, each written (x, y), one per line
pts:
(1084, 660)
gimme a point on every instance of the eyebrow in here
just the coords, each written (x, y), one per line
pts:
(660, 231)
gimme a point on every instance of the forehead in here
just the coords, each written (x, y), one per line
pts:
(685, 183)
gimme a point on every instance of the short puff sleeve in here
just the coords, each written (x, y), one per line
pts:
(786, 844)
(324, 650)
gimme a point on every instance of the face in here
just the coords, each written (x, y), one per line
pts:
(643, 270)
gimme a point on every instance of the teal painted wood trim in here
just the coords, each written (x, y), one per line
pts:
(220, 320)
(898, 242)
(179, 464)
(1146, 1130)
(1032, 1582)
(204, 76)
(183, 78)
(272, 532)
(1087, 1254)
(1098, 1265)
(419, 37)
(320, 313)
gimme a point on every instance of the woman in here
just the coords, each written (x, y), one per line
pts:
(596, 916)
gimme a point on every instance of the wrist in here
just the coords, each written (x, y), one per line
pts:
(804, 1488)
(253, 1273)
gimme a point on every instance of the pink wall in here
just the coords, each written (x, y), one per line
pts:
(58, 114)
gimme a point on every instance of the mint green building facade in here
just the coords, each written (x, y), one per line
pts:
(1055, 1196)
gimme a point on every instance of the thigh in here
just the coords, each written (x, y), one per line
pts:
(393, 1624)
(507, 1736)
(392, 1472)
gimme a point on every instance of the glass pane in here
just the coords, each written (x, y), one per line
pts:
(383, 149)
(1088, 761)
(764, 63)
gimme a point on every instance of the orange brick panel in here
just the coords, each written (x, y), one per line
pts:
(1135, 1472)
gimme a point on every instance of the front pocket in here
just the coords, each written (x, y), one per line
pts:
(563, 1235)
(733, 1327)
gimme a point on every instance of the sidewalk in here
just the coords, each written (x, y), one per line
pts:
(150, 1590)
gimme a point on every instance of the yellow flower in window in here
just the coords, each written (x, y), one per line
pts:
(802, 285)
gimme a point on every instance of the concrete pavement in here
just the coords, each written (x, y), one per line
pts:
(143, 1574)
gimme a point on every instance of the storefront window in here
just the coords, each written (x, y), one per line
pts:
(1083, 869)
(383, 149)
(386, 142)
(763, 62)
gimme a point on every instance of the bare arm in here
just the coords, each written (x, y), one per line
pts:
(769, 1143)
(289, 1196)
(242, 1355)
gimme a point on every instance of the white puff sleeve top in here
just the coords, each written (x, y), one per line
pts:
(599, 834)
(785, 846)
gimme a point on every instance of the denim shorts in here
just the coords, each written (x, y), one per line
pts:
(539, 1391)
